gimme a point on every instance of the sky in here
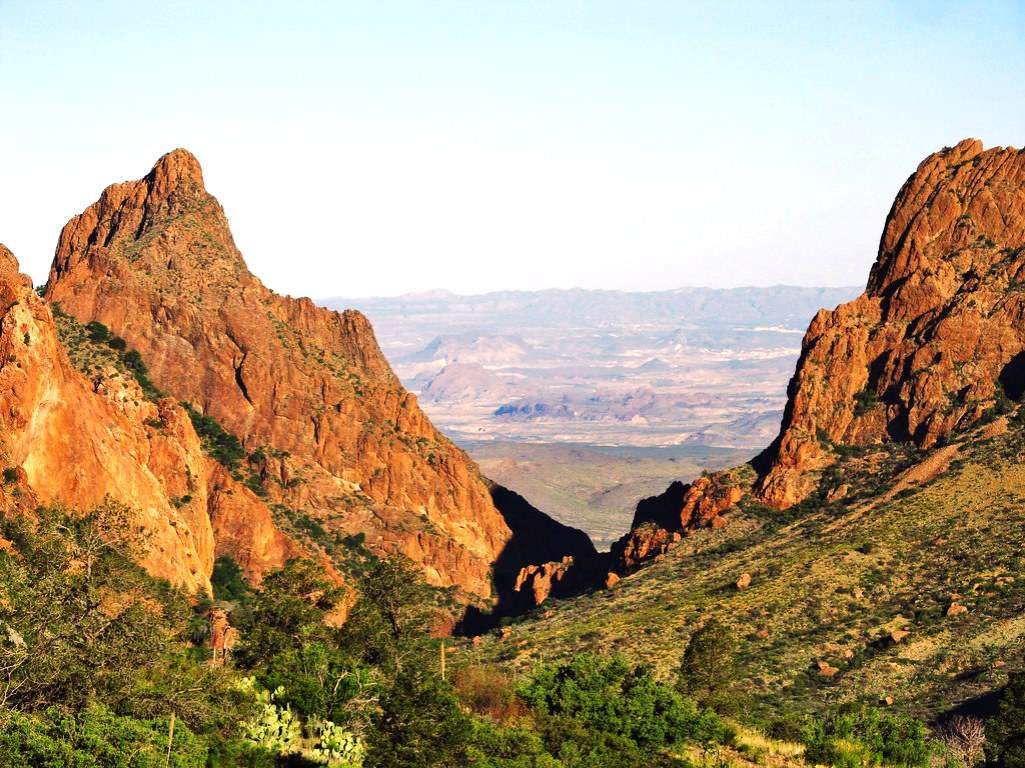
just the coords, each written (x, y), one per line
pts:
(379, 148)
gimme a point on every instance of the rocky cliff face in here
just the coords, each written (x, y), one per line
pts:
(70, 439)
(330, 432)
(661, 521)
(935, 344)
(938, 337)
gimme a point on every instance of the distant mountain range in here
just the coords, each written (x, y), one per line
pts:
(775, 307)
(594, 366)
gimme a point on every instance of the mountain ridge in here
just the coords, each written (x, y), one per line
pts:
(328, 431)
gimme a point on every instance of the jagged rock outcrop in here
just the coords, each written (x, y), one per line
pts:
(68, 439)
(938, 336)
(305, 389)
(660, 521)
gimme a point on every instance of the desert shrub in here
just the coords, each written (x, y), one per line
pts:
(611, 697)
(964, 739)
(223, 446)
(488, 692)
(857, 736)
(228, 581)
(865, 401)
(95, 738)
(98, 332)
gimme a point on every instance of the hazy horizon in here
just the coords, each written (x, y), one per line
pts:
(379, 149)
(439, 291)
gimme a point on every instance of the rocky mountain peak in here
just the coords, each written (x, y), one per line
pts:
(8, 263)
(339, 444)
(936, 341)
(177, 168)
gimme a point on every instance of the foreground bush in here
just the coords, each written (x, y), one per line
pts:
(95, 738)
(609, 696)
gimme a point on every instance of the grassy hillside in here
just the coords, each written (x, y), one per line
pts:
(835, 585)
(594, 487)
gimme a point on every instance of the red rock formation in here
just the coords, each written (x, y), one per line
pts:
(342, 440)
(661, 520)
(70, 440)
(536, 582)
(938, 332)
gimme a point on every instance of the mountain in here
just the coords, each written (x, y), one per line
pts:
(491, 350)
(937, 337)
(458, 382)
(780, 306)
(75, 439)
(329, 437)
(873, 552)
(932, 347)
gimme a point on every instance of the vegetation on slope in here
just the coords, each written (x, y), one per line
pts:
(898, 583)
(100, 659)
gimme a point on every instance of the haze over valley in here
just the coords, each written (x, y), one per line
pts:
(585, 401)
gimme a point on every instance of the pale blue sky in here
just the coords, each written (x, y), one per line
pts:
(384, 147)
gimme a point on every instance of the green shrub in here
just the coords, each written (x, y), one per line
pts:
(610, 696)
(1006, 729)
(857, 736)
(98, 332)
(223, 446)
(865, 401)
(95, 738)
(228, 581)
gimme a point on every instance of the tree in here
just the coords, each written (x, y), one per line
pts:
(1006, 729)
(389, 624)
(87, 630)
(228, 580)
(291, 647)
(290, 611)
(420, 724)
(708, 665)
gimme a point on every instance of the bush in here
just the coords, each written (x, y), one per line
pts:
(488, 692)
(858, 736)
(223, 446)
(228, 581)
(95, 738)
(98, 332)
(865, 401)
(609, 696)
